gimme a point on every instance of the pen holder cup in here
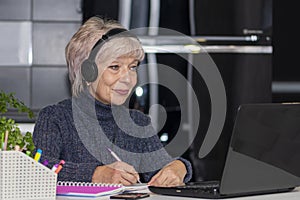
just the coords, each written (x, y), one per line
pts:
(24, 178)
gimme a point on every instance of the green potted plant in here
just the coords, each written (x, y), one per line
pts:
(15, 137)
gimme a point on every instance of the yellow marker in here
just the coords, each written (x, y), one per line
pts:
(37, 155)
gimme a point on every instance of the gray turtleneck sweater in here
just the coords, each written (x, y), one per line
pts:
(79, 131)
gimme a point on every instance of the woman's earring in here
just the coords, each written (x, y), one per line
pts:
(88, 84)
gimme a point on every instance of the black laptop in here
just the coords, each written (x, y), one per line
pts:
(263, 155)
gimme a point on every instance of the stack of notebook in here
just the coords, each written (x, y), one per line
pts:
(81, 189)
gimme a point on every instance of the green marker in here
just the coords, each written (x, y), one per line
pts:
(28, 153)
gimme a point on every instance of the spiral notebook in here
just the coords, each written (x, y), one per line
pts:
(83, 189)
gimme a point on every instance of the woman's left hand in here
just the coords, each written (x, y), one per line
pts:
(170, 175)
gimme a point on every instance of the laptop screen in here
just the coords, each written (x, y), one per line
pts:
(264, 152)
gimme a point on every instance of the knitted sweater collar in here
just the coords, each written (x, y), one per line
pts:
(91, 106)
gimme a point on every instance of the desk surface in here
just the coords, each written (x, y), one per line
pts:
(292, 195)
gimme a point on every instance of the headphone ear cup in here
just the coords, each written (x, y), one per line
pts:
(89, 70)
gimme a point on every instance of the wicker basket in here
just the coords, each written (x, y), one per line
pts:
(24, 178)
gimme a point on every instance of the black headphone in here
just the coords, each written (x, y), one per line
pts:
(89, 69)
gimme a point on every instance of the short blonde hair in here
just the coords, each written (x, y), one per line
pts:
(82, 42)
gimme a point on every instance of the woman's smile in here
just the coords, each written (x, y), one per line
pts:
(121, 91)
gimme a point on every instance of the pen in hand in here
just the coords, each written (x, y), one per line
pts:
(117, 158)
(114, 155)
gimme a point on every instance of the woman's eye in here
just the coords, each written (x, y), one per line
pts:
(114, 67)
(133, 68)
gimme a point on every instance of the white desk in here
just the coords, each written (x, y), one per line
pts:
(292, 195)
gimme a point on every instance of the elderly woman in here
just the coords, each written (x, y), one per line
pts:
(100, 139)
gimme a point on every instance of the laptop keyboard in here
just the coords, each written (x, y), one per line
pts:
(204, 189)
(205, 186)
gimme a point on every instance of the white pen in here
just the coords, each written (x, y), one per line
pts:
(114, 155)
(117, 158)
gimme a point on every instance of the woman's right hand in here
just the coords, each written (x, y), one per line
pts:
(117, 172)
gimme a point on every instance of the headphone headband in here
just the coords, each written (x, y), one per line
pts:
(89, 69)
(116, 32)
